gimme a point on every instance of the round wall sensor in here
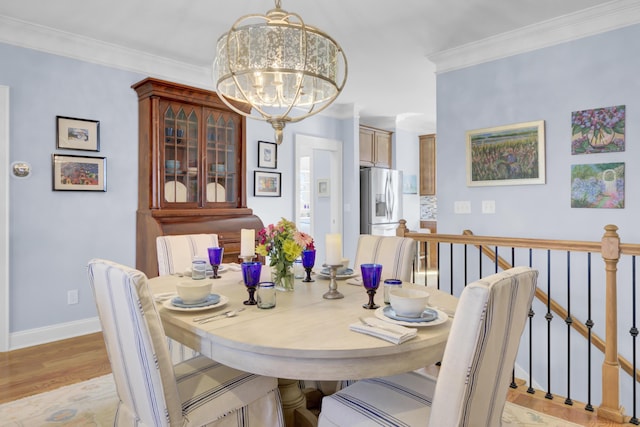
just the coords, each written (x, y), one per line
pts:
(21, 169)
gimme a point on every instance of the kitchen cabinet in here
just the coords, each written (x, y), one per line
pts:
(427, 165)
(375, 147)
(191, 169)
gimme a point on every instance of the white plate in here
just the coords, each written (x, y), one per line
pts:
(324, 275)
(216, 192)
(221, 269)
(168, 305)
(442, 317)
(175, 191)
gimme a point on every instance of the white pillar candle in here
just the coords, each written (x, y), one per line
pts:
(333, 245)
(247, 242)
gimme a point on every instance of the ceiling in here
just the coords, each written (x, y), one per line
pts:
(392, 47)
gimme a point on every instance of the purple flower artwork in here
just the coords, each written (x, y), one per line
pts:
(600, 130)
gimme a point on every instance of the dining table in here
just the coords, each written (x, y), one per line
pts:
(303, 337)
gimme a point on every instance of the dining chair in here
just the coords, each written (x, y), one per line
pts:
(151, 390)
(175, 254)
(396, 254)
(471, 388)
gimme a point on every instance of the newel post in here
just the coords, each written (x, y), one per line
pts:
(402, 228)
(610, 408)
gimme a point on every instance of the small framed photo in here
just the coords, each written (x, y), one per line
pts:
(267, 155)
(77, 134)
(323, 187)
(266, 184)
(79, 173)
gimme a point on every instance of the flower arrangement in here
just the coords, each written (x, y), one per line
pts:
(283, 243)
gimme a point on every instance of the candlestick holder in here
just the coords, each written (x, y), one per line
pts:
(333, 285)
(247, 258)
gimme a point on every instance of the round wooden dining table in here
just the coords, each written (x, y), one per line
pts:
(303, 337)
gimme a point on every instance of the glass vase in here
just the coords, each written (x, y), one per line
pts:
(283, 279)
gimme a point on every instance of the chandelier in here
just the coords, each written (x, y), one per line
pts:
(276, 69)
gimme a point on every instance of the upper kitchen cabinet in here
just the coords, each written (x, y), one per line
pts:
(191, 169)
(428, 165)
(375, 147)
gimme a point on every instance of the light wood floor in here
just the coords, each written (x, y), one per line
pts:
(38, 369)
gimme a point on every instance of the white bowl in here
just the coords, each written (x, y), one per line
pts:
(408, 302)
(194, 291)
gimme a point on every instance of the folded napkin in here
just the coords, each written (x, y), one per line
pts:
(234, 266)
(396, 334)
(355, 281)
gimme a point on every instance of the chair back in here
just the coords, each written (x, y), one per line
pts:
(175, 253)
(136, 345)
(396, 254)
(481, 349)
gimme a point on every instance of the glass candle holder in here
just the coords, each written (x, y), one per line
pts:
(215, 259)
(371, 274)
(251, 277)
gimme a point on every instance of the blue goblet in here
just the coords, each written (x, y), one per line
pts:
(371, 280)
(251, 277)
(215, 259)
(308, 261)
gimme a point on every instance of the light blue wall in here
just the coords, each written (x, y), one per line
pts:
(54, 234)
(548, 84)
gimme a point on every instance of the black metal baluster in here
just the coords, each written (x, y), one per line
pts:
(513, 371)
(531, 390)
(465, 265)
(451, 268)
(427, 255)
(438, 264)
(480, 262)
(589, 325)
(634, 335)
(549, 317)
(568, 321)
(496, 259)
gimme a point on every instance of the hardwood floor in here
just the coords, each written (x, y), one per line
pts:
(46, 367)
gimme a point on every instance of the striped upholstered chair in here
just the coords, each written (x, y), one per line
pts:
(396, 254)
(175, 254)
(154, 392)
(471, 388)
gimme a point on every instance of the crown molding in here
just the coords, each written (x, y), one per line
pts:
(24, 34)
(595, 20)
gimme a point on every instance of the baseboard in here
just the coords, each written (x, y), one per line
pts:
(52, 333)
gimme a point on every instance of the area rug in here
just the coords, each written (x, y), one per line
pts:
(93, 403)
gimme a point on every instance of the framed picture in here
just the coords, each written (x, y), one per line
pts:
(600, 130)
(266, 184)
(506, 155)
(77, 134)
(598, 185)
(79, 173)
(267, 155)
(323, 187)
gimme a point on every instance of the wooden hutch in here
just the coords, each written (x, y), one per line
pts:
(191, 169)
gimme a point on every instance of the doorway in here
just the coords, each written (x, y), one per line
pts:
(4, 219)
(318, 189)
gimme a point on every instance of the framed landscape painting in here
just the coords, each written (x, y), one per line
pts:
(79, 173)
(506, 155)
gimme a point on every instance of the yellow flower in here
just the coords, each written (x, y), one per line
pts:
(291, 250)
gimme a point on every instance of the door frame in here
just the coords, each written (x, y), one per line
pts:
(305, 145)
(4, 218)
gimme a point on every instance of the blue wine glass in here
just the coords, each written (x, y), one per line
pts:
(371, 274)
(308, 261)
(251, 277)
(215, 259)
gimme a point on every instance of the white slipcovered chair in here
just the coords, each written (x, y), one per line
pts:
(154, 392)
(396, 254)
(175, 254)
(471, 387)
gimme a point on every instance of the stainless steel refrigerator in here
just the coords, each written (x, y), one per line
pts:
(380, 201)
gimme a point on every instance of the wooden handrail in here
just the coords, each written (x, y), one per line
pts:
(610, 248)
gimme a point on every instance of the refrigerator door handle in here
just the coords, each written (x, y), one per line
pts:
(390, 198)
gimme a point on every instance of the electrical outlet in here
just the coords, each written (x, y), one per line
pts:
(72, 296)
(488, 206)
(462, 207)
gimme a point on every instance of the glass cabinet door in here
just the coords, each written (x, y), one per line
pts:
(179, 166)
(221, 158)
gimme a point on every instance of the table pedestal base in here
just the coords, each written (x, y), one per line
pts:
(294, 405)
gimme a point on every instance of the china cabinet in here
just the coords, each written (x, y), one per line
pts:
(375, 147)
(191, 169)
